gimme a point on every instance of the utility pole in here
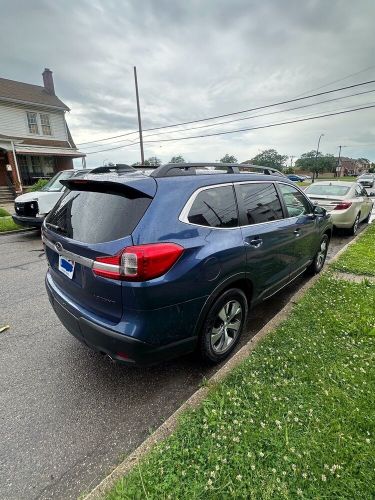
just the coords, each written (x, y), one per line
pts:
(139, 117)
(338, 162)
(316, 158)
(291, 161)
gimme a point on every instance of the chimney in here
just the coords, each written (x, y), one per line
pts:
(48, 81)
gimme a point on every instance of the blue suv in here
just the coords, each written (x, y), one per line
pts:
(148, 267)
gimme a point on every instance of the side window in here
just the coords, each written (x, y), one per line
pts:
(295, 201)
(358, 191)
(215, 207)
(261, 202)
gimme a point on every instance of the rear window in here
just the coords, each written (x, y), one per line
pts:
(95, 217)
(327, 190)
(215, 207)
(261, 202)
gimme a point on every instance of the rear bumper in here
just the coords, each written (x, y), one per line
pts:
(343, 218)
(28, 221)
(118, 346)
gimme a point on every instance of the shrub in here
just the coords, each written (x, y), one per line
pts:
(38, 185)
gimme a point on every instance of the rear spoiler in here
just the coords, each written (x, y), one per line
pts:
(134, 188)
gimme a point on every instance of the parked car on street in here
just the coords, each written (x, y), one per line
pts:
(347, 202)
(295, 178)
(31, 208)
(367, 180)
(144, 268)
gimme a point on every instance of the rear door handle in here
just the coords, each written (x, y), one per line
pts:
(256, 242)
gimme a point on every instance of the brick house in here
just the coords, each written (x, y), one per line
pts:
(35, 141)
(349, 166)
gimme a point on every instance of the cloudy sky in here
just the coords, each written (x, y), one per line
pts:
(197, 59)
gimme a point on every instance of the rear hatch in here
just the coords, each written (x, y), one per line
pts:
(95, 218)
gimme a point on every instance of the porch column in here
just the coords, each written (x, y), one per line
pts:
(12, 163)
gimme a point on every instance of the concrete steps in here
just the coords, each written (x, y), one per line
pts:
(6, 195)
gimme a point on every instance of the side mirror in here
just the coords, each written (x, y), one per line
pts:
(320, 211)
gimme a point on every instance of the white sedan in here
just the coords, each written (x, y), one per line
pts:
(347, 202)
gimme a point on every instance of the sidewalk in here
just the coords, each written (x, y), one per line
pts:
(297, 418)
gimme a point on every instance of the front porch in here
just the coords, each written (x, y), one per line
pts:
(25, 167)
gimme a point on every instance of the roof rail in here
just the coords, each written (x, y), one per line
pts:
(176, 169)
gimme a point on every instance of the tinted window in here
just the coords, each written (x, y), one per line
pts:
(295, 201)
(261, 202)
(215, 207)
(93, 217)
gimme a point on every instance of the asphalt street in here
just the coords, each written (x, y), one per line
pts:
(68, 415)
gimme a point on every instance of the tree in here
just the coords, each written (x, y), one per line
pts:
(153, 161)
(311, 162)
(177, 159)
(229, 159)
(270, 158)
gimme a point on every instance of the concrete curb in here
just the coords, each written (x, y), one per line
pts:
(4, 233)
(171, 423)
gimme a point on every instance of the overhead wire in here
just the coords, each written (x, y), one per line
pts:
(298, 120)
(233, 113)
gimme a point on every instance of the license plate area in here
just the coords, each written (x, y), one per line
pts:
(66, 266)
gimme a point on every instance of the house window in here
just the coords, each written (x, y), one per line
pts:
(32, 122)
(46, 126)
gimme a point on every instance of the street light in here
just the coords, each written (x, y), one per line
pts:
(316, 157)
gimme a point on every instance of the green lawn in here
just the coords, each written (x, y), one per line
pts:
(7, 224)
(295, 420)
(359, 258)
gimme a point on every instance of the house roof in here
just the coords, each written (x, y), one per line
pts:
(38, 142)
(48, 151)
(11, 90)
(42, 147)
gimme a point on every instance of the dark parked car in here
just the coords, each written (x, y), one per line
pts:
(295, 178)
(144, 268)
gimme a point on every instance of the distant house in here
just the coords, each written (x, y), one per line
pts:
(35, 141)
(350, 166)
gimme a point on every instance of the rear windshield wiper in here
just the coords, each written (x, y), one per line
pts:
(57, 228)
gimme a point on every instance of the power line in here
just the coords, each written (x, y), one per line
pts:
(234, 113)
(336, 81)
(243, 129)
(248, 117)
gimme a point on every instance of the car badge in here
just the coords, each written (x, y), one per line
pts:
(59, 247)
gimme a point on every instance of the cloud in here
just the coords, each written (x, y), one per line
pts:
(195, 59)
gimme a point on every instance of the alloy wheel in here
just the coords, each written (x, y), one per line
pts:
(355, 226)
(322, 253)
(226, 326)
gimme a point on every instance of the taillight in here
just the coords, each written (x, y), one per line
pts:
(343, 205)
(139, 263)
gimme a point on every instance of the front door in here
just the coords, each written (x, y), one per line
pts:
(3, 171)
(306, 237)
(267, 236)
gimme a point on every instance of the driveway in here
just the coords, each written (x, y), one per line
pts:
(68, 415)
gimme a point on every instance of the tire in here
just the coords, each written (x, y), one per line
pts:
(353, 230)
(367, 220)
(320, 257)
(217, 339)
